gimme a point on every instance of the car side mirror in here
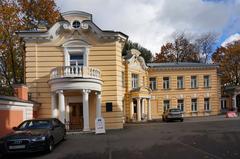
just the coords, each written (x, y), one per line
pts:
(15, 128)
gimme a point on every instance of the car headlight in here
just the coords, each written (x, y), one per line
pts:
(39, 138)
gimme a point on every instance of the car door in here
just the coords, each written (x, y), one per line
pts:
(56, 131)
(60, 128)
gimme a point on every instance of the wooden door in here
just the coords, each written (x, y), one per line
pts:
(76, 116)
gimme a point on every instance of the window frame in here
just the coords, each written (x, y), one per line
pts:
(181, 107)
(135, 80)
(166, 107)
(182, 82)
(207, 104)
(166, 83)
(153, 83)
(195, 106)
(194, 82)
(208, 83)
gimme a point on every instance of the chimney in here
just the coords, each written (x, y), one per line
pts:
(21, 91)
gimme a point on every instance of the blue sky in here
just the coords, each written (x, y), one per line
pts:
(152, 23)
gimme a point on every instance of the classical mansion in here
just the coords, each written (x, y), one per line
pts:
(76, 72)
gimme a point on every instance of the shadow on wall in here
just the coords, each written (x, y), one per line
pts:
(9, 119)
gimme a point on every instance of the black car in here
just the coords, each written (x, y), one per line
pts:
(172, 114)
(34, 135)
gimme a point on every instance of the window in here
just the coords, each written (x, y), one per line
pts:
(76, 59)
(123, 79)
(134, 80)
(153, 83)
(109, 107)
(206, 81)
(166, 83)
(223, 104)
(193, 81)
(181, 104)
(166, 105)
(76, 24)
(206, 104)
(194, 105)
(179, 82)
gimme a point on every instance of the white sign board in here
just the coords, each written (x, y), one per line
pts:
(99, 126)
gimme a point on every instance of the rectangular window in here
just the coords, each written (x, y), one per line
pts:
(166, 105)
(194, 105)
(179, 82)
(123, 79)
(193, 81)
(206, 81)
(153, 83)
(181, 104)
(76, 59)
(166, 83)
(206, 104)
(134, 80)
(223, 104)
(109, 107)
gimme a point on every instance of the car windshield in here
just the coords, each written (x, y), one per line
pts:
(34, 124)
(174, 110)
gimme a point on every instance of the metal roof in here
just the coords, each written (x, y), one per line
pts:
(180, 65)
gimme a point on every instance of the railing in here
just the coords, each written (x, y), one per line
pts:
(75, 71)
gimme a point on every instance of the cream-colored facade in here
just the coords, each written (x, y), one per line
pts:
(77, 72)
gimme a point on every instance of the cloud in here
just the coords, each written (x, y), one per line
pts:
(231, 39)
(152, 22)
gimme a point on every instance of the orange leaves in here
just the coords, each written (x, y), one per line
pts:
(229, 60)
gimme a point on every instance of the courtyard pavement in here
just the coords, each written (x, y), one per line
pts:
(214, 137)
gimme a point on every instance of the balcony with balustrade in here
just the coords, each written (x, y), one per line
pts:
(75, 77)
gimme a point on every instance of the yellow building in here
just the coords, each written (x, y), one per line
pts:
(77, 72)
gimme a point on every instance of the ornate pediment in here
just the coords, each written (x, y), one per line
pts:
(76, 24)
(135, 60)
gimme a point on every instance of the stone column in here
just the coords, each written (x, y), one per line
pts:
(98, 104)
(149, 113)
(85, 94)
(131, 110)
(143, 107)
(61, 102)
(138, 109)
(54, 105)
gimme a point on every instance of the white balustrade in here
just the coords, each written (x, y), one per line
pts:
(75, 71)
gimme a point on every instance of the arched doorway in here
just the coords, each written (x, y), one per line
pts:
(238, 102)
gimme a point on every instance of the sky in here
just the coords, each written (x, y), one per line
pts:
(152, 23)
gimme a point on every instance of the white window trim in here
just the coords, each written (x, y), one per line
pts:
(68, 50)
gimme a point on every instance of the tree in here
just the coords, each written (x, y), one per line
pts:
(228, 58)
(19, 15)
(181, 50)
(205, 45)
(145, 53)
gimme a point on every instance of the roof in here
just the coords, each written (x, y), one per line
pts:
(15, 99)
(180, 65)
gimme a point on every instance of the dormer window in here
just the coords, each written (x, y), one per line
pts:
(76, 24)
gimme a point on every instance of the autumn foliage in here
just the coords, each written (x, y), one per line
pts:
(16, 15)
(229, 59)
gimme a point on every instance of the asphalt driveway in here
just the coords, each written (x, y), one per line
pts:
(203, 138)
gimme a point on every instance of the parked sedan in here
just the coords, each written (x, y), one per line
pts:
(172, 114)
(34, 135)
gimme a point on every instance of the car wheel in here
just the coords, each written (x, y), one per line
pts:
(50, 145)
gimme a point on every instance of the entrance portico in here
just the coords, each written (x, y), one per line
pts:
(61, 108)
(84, 87)
(140, 107)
